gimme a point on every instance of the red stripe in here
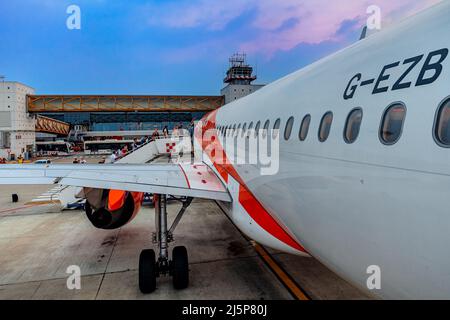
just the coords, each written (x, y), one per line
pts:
(222, 172)
(264, 219)
(185, 176)
(251, 205)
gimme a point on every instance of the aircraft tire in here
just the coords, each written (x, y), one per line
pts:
(180, 268)
(147, 271)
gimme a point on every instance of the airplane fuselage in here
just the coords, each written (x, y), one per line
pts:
(368, 202)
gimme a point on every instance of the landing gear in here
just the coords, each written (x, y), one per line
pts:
(178, 267)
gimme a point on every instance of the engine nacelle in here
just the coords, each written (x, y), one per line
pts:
(111, 209)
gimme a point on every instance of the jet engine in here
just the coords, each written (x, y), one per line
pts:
(111, 209)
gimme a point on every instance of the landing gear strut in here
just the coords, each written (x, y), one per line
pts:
(178, 267)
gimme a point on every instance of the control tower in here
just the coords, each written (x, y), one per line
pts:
(239, 79)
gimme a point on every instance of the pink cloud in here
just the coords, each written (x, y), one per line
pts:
(315, 21)
(319, 20)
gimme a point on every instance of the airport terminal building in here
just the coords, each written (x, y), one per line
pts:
(17, 126)
(67, 117)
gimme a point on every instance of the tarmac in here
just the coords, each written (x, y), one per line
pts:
(38, 243)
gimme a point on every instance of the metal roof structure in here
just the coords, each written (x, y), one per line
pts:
(121, 103)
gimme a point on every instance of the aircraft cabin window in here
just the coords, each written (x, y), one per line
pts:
(304, 128)
(325, 126)
(392, 124)
(353, 125)
(258, 125)
(288, 129)
(442, 125)
(266, 129)
(234, 130)
(276, 129)
(238, 130)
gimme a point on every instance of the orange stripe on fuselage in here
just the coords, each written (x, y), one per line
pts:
(214, 150)
(264, 219)
(223, 173)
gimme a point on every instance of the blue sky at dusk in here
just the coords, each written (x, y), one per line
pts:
(173, 47)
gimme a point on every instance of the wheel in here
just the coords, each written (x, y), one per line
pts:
(180, 268)
(15, 198)
(147, 271)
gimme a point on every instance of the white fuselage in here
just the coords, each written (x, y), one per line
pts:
(355, 205)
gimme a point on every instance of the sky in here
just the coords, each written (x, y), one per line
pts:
(174, 47)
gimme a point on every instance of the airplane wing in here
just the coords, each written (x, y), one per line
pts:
(191, 180)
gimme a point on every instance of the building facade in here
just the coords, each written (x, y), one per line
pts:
(234, 92)
(17, 127)
(117, 121)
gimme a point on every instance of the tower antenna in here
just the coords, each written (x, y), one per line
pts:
(239, 71)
